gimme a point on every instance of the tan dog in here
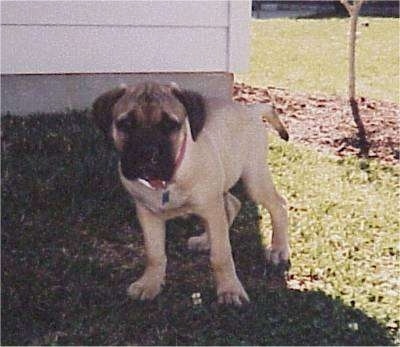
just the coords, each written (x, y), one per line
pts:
(180, 154)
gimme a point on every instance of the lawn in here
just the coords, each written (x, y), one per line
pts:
(310, 55)
(71, 246)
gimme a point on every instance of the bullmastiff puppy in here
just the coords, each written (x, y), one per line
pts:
(180, 154)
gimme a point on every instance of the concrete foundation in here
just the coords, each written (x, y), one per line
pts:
(53, 93)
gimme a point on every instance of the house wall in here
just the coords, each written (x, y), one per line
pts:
(124, 36)
(59, 55)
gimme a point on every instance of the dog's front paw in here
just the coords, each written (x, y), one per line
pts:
(146, 288)
(199, 243)
(232, 293)
(278, 255)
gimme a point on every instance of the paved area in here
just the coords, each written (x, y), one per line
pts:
(268, 14)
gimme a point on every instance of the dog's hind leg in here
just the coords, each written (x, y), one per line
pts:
(259, 186)
(229, 287)
(202, 243)
(199, 243)
(232, 207)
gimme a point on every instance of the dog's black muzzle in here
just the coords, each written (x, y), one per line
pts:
(152, 160)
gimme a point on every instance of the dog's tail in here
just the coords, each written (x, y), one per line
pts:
(269, 114)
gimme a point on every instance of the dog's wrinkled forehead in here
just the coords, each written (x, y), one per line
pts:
(148, 103)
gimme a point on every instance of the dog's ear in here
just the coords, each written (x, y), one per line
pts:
(195, 109)
(102, 108)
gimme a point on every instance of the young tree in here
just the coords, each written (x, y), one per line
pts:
(354, 10)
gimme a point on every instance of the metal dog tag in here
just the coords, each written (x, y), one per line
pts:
(165, 197)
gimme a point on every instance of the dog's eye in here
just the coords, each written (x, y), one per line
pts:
(169, 125)
(125, 123)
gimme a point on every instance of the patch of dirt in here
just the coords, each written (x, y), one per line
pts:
(326, 122)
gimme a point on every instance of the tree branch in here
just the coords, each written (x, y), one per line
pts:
(349, 7)
(352, 9)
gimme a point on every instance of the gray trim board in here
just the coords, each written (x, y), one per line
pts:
(52, 93)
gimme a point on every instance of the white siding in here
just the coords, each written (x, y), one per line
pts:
(138, 13)
(124, 36)
(238, 35)
(96, 49)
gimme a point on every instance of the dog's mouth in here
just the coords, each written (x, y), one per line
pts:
(154, 183)
(154, 175)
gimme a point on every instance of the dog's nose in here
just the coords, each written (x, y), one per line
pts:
(124, 123)
(152, 154)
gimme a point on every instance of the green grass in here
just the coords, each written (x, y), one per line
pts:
(344, 225)
(309, 55)
(68, 254)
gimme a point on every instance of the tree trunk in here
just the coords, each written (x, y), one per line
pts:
(364, 145)
(354, 11)
(352, 55)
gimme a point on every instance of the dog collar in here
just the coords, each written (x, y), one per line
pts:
(159, 184)
(181, 154)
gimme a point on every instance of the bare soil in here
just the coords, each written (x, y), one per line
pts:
(326, 122)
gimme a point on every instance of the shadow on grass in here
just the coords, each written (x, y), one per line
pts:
(71, 246)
